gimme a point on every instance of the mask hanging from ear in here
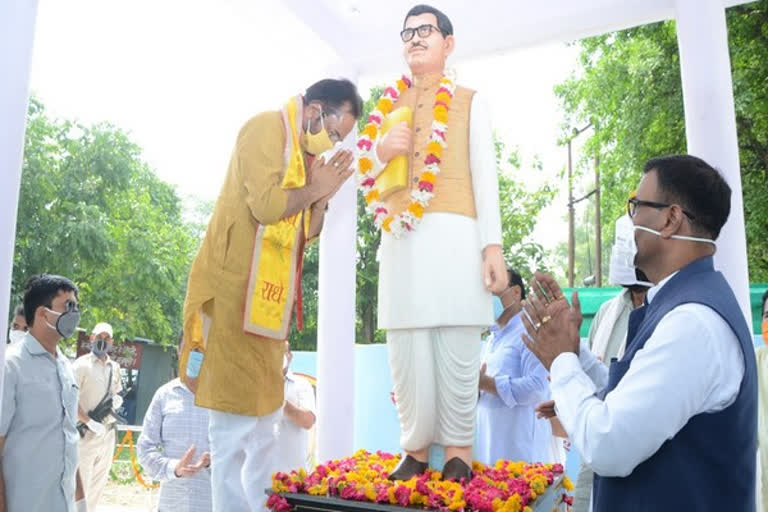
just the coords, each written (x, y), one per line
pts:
(316, 143)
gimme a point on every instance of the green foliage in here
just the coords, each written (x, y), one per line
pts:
(92, 210)
(520, 209)
(628, 86)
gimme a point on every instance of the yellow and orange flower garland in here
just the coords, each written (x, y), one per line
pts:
(504, 487)
(407, 220)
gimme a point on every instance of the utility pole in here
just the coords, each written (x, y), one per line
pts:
(571, 207)
(571, 214)
(598, 228)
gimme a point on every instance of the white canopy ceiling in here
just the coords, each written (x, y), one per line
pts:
(365, 33)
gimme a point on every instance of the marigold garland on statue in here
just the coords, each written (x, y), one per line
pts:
(407, 220)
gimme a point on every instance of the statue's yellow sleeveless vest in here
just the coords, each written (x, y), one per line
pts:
(453, 187)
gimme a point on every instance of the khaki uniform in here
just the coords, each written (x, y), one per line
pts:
(95, 452)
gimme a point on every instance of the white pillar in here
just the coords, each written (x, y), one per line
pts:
(336, 320)
(710, 124)
(17, 33)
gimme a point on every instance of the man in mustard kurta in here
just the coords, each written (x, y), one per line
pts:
(245, 283)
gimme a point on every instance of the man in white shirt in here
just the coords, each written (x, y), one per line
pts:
(512, 382)
(298, 418)
(674, 426)
(38, 434)
(99, 380)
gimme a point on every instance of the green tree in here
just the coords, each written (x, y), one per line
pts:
(92, 210)
(520, 209)
(628, 85)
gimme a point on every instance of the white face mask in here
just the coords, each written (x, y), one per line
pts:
(657, 233)
(677, 237)
(622, 266)
(16, 336)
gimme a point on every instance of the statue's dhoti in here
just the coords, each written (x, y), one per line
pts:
(435, 374)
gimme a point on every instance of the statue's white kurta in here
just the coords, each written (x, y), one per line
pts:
(434, 305)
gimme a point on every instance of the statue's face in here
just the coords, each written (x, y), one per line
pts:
(426, 53)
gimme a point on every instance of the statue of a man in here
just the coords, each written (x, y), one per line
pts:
(436, 275)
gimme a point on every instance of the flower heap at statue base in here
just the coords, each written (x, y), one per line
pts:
(361, 483)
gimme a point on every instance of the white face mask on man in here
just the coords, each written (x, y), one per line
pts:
(16, 336)
(631, 245)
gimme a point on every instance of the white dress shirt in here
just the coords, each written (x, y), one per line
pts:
(691, 364)
(442, 258)
(172, 424)
(506, 421)
(293, 439)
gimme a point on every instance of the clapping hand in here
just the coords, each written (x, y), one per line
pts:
(551, 323)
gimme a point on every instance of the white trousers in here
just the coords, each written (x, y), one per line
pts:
(95, 455)
(243, 458)
(435, 373)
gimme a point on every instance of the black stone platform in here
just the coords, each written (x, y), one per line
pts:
(547, 502)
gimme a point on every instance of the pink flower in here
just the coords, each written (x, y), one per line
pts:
(277, 503)
(442, 103)
(426, 186)
(431, 159)
(364, 144)
(374, 119)
(445, 90)
(439, 133)
(368, 182)
(406, 80)
(557, 469)
(403, 495)
(392, 92)
(349, 493)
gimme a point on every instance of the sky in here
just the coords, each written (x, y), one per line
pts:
(182, 77)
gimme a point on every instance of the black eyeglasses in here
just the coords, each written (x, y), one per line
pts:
(423, 31)
(633, 203)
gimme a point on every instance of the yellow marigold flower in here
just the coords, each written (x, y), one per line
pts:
(527, 509)
(365, 164)
(417, 210)
(401, 85)
(428, 177)
(371, 196)
(437, 475)
(370, 494)
(384, 105)
(441, 114)
(386, 224)
(435, 148)
(457, 504)
(568, 484)
(371, 131)
(444, 97)
(391, 495)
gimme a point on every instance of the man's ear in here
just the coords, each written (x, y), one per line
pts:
(673, 221)
(450, 45)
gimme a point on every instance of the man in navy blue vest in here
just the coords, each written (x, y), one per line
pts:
(673, 424)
